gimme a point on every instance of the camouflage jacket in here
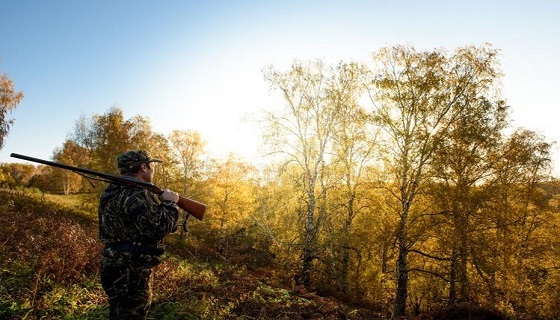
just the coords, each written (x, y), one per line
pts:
(128, 213)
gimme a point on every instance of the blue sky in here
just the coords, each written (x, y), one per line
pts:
(197, 65)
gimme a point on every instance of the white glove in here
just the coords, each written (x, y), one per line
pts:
(169, 195)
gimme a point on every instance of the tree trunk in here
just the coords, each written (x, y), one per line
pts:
(402, 279)
(453, 277)
(402, 266)
(346, 247)
(308, 252)
(459, 265)
(459, 283)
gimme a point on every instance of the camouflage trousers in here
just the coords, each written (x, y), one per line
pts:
(128, 287)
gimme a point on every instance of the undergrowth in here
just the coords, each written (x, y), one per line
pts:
(50, 268)
(50, 271)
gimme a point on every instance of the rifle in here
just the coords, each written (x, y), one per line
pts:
(192, 207)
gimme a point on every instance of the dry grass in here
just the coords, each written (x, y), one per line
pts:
(50, 271)
(49, 260)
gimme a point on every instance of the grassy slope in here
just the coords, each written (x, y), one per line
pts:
(50, 270)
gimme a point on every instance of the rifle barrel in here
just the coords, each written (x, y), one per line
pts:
(193, 207)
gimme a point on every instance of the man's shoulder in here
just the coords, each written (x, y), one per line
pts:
(122, 188)
(118, 191)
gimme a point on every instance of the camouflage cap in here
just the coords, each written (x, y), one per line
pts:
(132, 158)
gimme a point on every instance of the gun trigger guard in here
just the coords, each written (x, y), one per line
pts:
(184, 224)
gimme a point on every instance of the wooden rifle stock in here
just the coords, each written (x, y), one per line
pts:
(193, 207)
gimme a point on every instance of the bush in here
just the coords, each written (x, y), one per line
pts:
(47, 257)
(469, 311)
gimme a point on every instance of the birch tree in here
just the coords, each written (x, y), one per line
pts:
(466, 166)
(301, 136)
(353, 153)
(416, 96)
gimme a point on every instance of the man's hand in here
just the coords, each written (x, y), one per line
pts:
(169, 195)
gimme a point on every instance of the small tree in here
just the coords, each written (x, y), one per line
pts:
(70, 154)
(187, 148)
(9, 99)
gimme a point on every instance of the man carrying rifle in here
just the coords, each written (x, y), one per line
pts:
(132, 224)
